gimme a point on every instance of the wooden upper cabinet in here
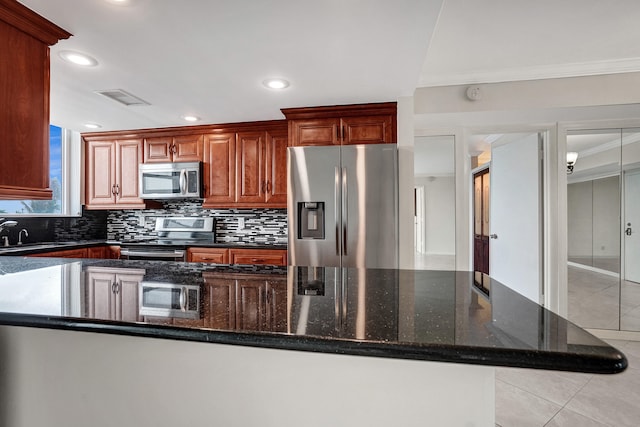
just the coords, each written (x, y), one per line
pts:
(342, 124)
(25, 38)
(219, 169)
(111, 175)
(162, 149)
(247, 168)
(250, 178)
(276, 168)
(367, 130)
(315, 132)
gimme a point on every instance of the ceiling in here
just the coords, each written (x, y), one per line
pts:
(209, 58)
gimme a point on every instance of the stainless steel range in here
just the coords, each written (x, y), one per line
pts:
(174, 235)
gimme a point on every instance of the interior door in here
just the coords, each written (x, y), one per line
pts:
(632, 225)
(516, 215)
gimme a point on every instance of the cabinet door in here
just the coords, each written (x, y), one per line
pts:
(126, 296)
(128, 157)
(219, 169)
(276, 169)
(100, 174)
(258, 256)
(113, 252)
(157, 150)
(212, 255)
(250, 182)
(250, 304)
(101, 302)
(187, 148)
(220, 303)
(367, 130)
(315, 132)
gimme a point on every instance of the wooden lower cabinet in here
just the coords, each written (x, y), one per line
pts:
(100, 252)
(238, 256)
(97, 252)
(258, 256)
(212, 255)
(112, 293)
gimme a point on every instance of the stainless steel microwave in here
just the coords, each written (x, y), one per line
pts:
(180, 180)
(169, 300)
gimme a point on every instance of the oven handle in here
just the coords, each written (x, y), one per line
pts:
(173, 254)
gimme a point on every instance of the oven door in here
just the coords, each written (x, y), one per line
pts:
(169, 300)
(153, 254)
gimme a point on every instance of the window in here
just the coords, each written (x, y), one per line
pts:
(64, 165)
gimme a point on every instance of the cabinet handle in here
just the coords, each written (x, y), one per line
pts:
(338, 133)
(117, 189)
(256, 260)
(268, 187)
(173, 148)
(115, 288)
(113, 189)
(263, 187)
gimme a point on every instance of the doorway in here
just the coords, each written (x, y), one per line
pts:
(434, 203)
(508, 211)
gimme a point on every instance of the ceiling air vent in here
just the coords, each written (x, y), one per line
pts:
(123, 97)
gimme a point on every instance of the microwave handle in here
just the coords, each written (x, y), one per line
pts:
(183, 299)
(183, 181)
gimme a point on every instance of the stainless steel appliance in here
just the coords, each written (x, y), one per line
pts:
(342, 206)
(170, 180)
(174, 235)
(169, 300)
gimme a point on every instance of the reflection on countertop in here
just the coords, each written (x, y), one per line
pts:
(421, 315)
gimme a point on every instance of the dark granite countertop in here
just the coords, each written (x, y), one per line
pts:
(418, 315)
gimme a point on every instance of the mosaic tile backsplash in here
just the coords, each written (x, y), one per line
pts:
(264, 226)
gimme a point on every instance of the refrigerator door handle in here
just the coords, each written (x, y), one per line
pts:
(337, 208)
(344, 211)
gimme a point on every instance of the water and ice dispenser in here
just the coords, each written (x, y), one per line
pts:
(311, 220)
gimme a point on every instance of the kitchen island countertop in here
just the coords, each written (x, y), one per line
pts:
(400, 314)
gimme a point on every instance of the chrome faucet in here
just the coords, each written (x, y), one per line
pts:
(26, 234)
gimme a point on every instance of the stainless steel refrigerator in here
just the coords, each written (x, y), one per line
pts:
(343, 206)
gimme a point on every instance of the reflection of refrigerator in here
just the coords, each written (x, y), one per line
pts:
(343, 206)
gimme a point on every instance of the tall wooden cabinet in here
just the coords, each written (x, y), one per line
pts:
(25, 38)
(111, 175)
(342, 124)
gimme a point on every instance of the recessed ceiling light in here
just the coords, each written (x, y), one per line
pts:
(276, 83)
(92, 125)
(78, 58)
(190, 118)
(121, 2)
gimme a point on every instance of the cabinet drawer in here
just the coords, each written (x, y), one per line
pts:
(212, 255)
(258, 256)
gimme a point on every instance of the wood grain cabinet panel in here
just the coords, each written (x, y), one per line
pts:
(250, 178)
(220, 302)
(162, 149)
(276, 168)
(342, 124)
(25, 38)
(315, 132)
(219, 169)
(258, 256)
(111, 176)
(212, 255)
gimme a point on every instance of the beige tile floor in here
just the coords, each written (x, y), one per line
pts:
(527, 397)
(535, 398)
